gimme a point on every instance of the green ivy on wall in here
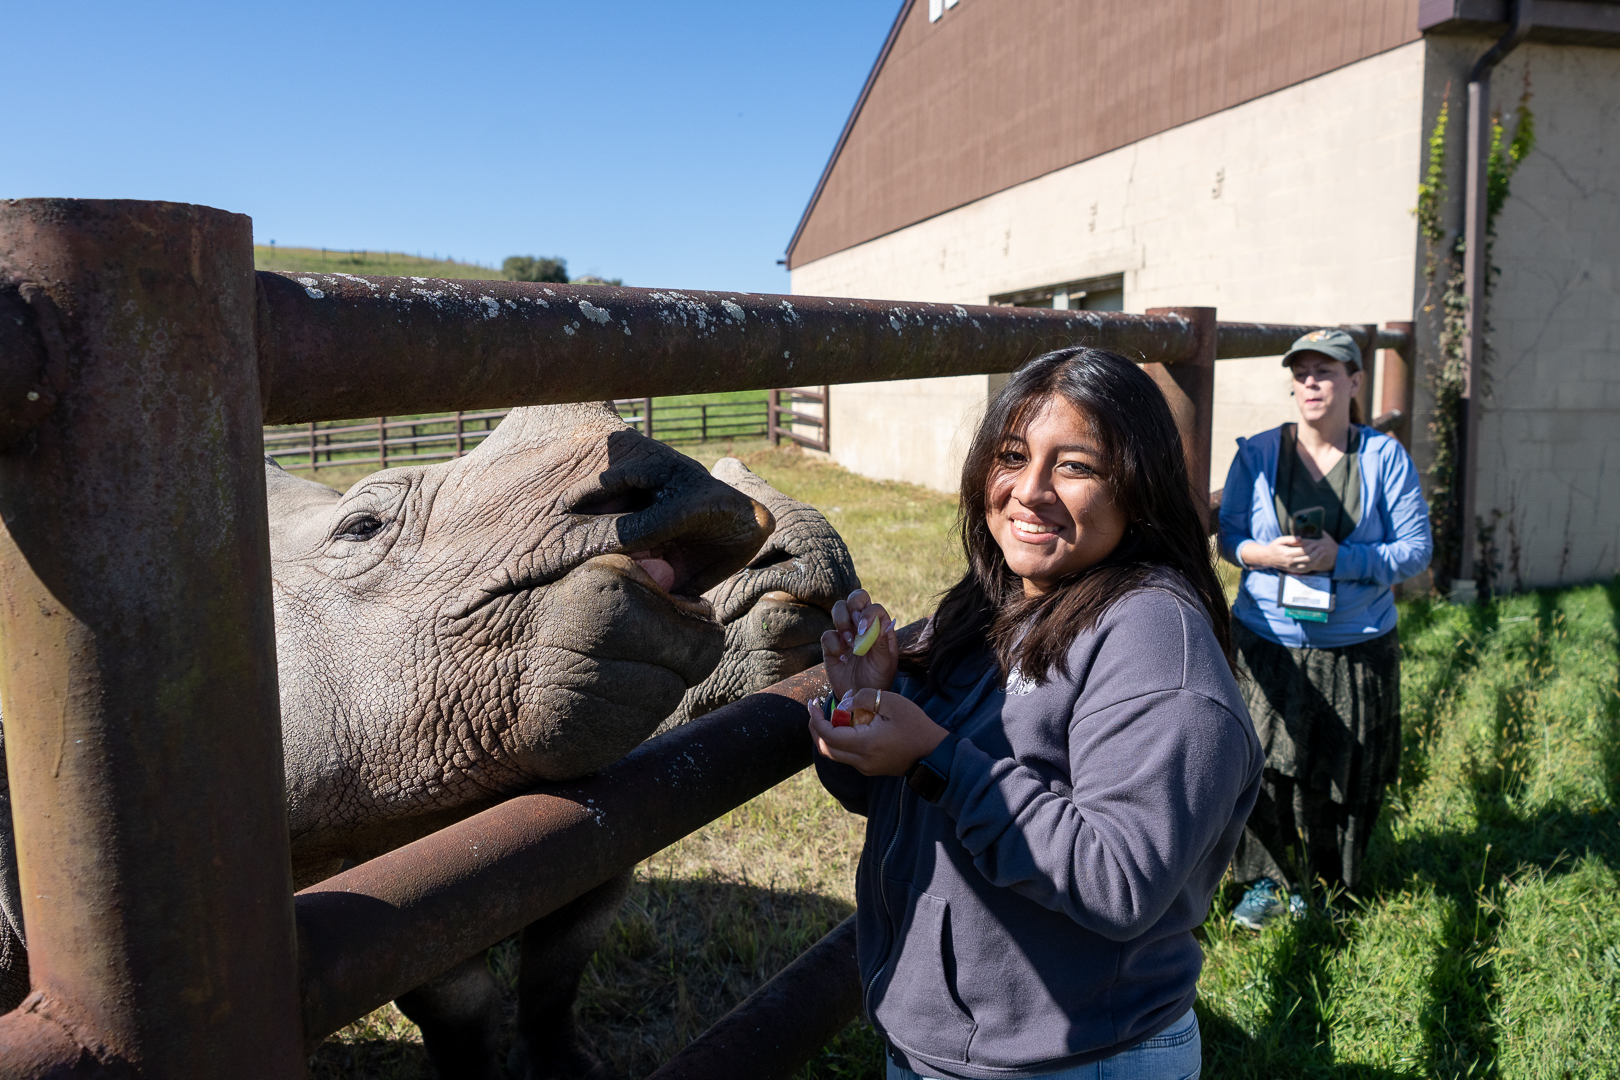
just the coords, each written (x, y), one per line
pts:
(1444, 363)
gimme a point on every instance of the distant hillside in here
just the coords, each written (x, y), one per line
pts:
(314, 260)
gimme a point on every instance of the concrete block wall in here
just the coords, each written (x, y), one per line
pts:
(1550, 433)
(1294, 207)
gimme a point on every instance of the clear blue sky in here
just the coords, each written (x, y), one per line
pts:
(670, 144)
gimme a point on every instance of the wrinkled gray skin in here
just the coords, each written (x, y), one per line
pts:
(450, 634)
(776, 608)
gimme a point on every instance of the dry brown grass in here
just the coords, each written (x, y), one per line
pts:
(713, 917)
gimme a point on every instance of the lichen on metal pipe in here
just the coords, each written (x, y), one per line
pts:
(334, 346)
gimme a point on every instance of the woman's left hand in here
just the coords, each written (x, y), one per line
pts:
(1323, 553)
(899, 736)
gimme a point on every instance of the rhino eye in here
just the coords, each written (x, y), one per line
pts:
(360, 527)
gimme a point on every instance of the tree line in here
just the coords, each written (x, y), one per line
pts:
(552, 269)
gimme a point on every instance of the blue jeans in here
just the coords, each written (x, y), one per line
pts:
(1176, 1053)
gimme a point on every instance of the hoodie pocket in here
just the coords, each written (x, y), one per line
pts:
(917, 1007)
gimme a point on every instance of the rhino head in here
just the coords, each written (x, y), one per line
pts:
(776, 608)
(450, 634)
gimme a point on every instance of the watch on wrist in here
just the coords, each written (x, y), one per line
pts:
(925, 779)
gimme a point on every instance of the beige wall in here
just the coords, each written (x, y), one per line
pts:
(1550, 436)
(1294, 207)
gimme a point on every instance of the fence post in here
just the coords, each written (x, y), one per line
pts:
(703, 422)
(312, 465)
(771, 411)
(459, 437)
(646, 415)
(137, 652)
(1189, 387)
(1369, 366)
(1397, 394)
(382, 442)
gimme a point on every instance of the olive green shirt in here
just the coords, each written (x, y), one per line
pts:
(1337, 495)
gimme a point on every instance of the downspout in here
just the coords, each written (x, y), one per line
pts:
(1475, 270)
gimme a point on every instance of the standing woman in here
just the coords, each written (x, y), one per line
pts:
(1055, 782)
(1324, 516)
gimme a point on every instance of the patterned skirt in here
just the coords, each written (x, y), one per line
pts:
(1330, 723)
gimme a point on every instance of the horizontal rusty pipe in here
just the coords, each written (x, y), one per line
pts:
(370, 934)
(334, 346)
(1238, 340)
(783, 1023)
(37, 1046)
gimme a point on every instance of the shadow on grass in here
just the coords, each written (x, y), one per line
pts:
(1296, 1040)
(682, 954)
(1470, 870)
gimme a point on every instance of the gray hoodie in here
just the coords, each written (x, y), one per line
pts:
(1040, 915)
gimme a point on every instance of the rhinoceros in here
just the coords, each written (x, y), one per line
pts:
(449, 635)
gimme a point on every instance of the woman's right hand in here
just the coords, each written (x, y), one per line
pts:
(845, 670)
(1286, 553)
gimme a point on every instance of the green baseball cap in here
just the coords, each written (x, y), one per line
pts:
(1333, 344)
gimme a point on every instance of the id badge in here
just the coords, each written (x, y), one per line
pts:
(1306, 597)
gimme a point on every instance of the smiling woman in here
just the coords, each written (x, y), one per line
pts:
(1052, 511)
(1059, 766)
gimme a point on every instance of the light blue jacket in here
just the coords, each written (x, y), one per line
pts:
(1389, 544)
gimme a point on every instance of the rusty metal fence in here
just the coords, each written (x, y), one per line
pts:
(140, 357)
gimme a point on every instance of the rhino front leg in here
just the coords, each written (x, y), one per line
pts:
(552, 960)
(460, 1016)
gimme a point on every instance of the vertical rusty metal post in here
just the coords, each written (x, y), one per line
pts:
(1397, 395)
(1367, 332)
(772, 409)
(382, 442)
(137, 650)
(1189, 387)
(646, 415)
(312, 464)
(460, 436)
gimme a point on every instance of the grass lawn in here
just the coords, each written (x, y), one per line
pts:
(1485, 942)
(380, 263)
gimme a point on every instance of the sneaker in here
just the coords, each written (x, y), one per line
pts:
(1259, 905)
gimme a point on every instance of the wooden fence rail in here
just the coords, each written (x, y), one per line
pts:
(386, 441)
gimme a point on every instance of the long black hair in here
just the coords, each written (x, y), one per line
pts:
(1147, 474)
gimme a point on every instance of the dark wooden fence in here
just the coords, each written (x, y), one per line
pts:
(387, 441)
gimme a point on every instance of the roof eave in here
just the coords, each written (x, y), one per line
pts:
(843, 136)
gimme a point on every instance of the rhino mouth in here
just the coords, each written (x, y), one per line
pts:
(658, 574)
(782, 582)
(664, 572)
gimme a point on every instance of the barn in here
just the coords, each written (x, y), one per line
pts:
(1265, 158)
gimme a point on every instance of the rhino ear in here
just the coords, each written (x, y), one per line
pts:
(290, 497)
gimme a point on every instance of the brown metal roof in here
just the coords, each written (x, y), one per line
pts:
(998, 92)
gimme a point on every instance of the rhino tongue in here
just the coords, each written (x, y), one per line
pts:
(660, 571)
